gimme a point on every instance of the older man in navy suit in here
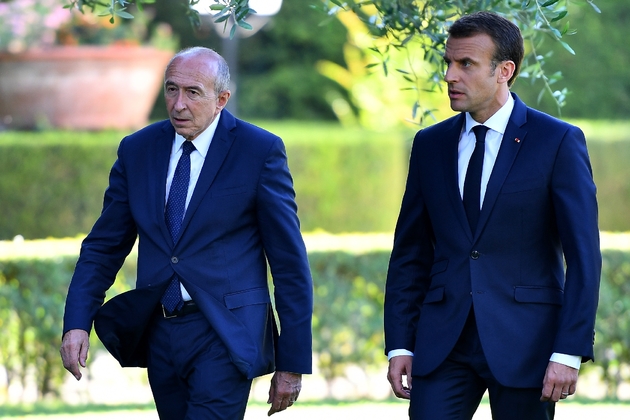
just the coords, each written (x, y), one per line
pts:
(211, 201)
(498, 199)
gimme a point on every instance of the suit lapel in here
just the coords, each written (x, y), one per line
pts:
(218, 151)
(513, 138)
(160, 159)
(449, 161)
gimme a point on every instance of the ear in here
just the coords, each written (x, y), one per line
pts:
(223, 99)
(505, 70)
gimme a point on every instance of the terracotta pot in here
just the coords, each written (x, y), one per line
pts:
(80, 87)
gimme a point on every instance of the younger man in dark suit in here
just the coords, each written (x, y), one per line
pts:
(497, 199)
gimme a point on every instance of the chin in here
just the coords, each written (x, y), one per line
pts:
(184, 134)
(457, 107)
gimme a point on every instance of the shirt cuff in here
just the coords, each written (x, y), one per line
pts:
(398, 352)
(566, 359)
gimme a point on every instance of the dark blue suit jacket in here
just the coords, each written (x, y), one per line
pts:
(539, 211)
(241, 215)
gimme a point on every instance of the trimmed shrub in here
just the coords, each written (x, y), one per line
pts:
(612, 172)
(52, 183)
(348, 311)
(346, 179)
(612, 330)
(34, 278)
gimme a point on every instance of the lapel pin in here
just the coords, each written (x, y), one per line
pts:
(517, 140)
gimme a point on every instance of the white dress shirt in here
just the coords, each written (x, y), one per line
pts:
(496, 125)
(496, 128)
(197, 158)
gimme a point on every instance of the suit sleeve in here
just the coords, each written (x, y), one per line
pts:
(102, 254)
(410, 263)
(574, 200)
(286, 253)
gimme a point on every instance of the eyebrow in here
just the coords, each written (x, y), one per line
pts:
(195, 87)
(459, 60)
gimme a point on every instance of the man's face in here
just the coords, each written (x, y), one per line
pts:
(473, 84)
(191, 102)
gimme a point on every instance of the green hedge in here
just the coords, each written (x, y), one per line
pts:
(349, 275)
(31, 307)
(612, 177)
(346, 179)
(52, 183)
(34, 278)
(612, 337)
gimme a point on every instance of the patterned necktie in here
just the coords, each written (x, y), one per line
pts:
(472, 183)
(174, 214)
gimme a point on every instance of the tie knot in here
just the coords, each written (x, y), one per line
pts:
(480, 133)
(188, 147)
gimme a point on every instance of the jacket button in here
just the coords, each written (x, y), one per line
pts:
(174, 260)
(474, 255)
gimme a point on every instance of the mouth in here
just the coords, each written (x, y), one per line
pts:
(455, 94)
(178, 120)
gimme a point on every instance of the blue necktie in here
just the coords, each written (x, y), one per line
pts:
(174, 214)
(472, 183)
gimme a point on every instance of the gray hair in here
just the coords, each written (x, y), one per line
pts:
(222, 71)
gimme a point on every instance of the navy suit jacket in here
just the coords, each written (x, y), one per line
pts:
(539, 212)
(242, 215)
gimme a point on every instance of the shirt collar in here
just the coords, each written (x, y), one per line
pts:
(498, 121)
(203, 140)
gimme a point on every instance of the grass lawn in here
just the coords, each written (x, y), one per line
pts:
(569, 410)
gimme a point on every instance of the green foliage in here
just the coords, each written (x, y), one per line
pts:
(275, 67)
(139, 28)
(346, 179)
(596, 76)
(611, 173)
(423, 24)
(52, 183)
(113, 8)
(235, 10)
(609, 150)
(278, 78)
(274, 70)
(348, 308)
(53, 188)
(348, 314)
(32, 298)
(376, 99)
(31, 309)
(612, 330)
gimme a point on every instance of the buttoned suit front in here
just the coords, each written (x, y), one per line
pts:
(242, 215)
(539, 212)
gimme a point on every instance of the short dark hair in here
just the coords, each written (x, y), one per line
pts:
(505, 35)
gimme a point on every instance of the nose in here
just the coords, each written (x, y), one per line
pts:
(180, 103)
(449, 75)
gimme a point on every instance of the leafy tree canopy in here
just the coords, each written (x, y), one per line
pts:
(402, 23)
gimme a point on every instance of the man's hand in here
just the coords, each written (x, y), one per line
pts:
(400, 366)
(284, 391)
(74, 351)
(560, 382)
